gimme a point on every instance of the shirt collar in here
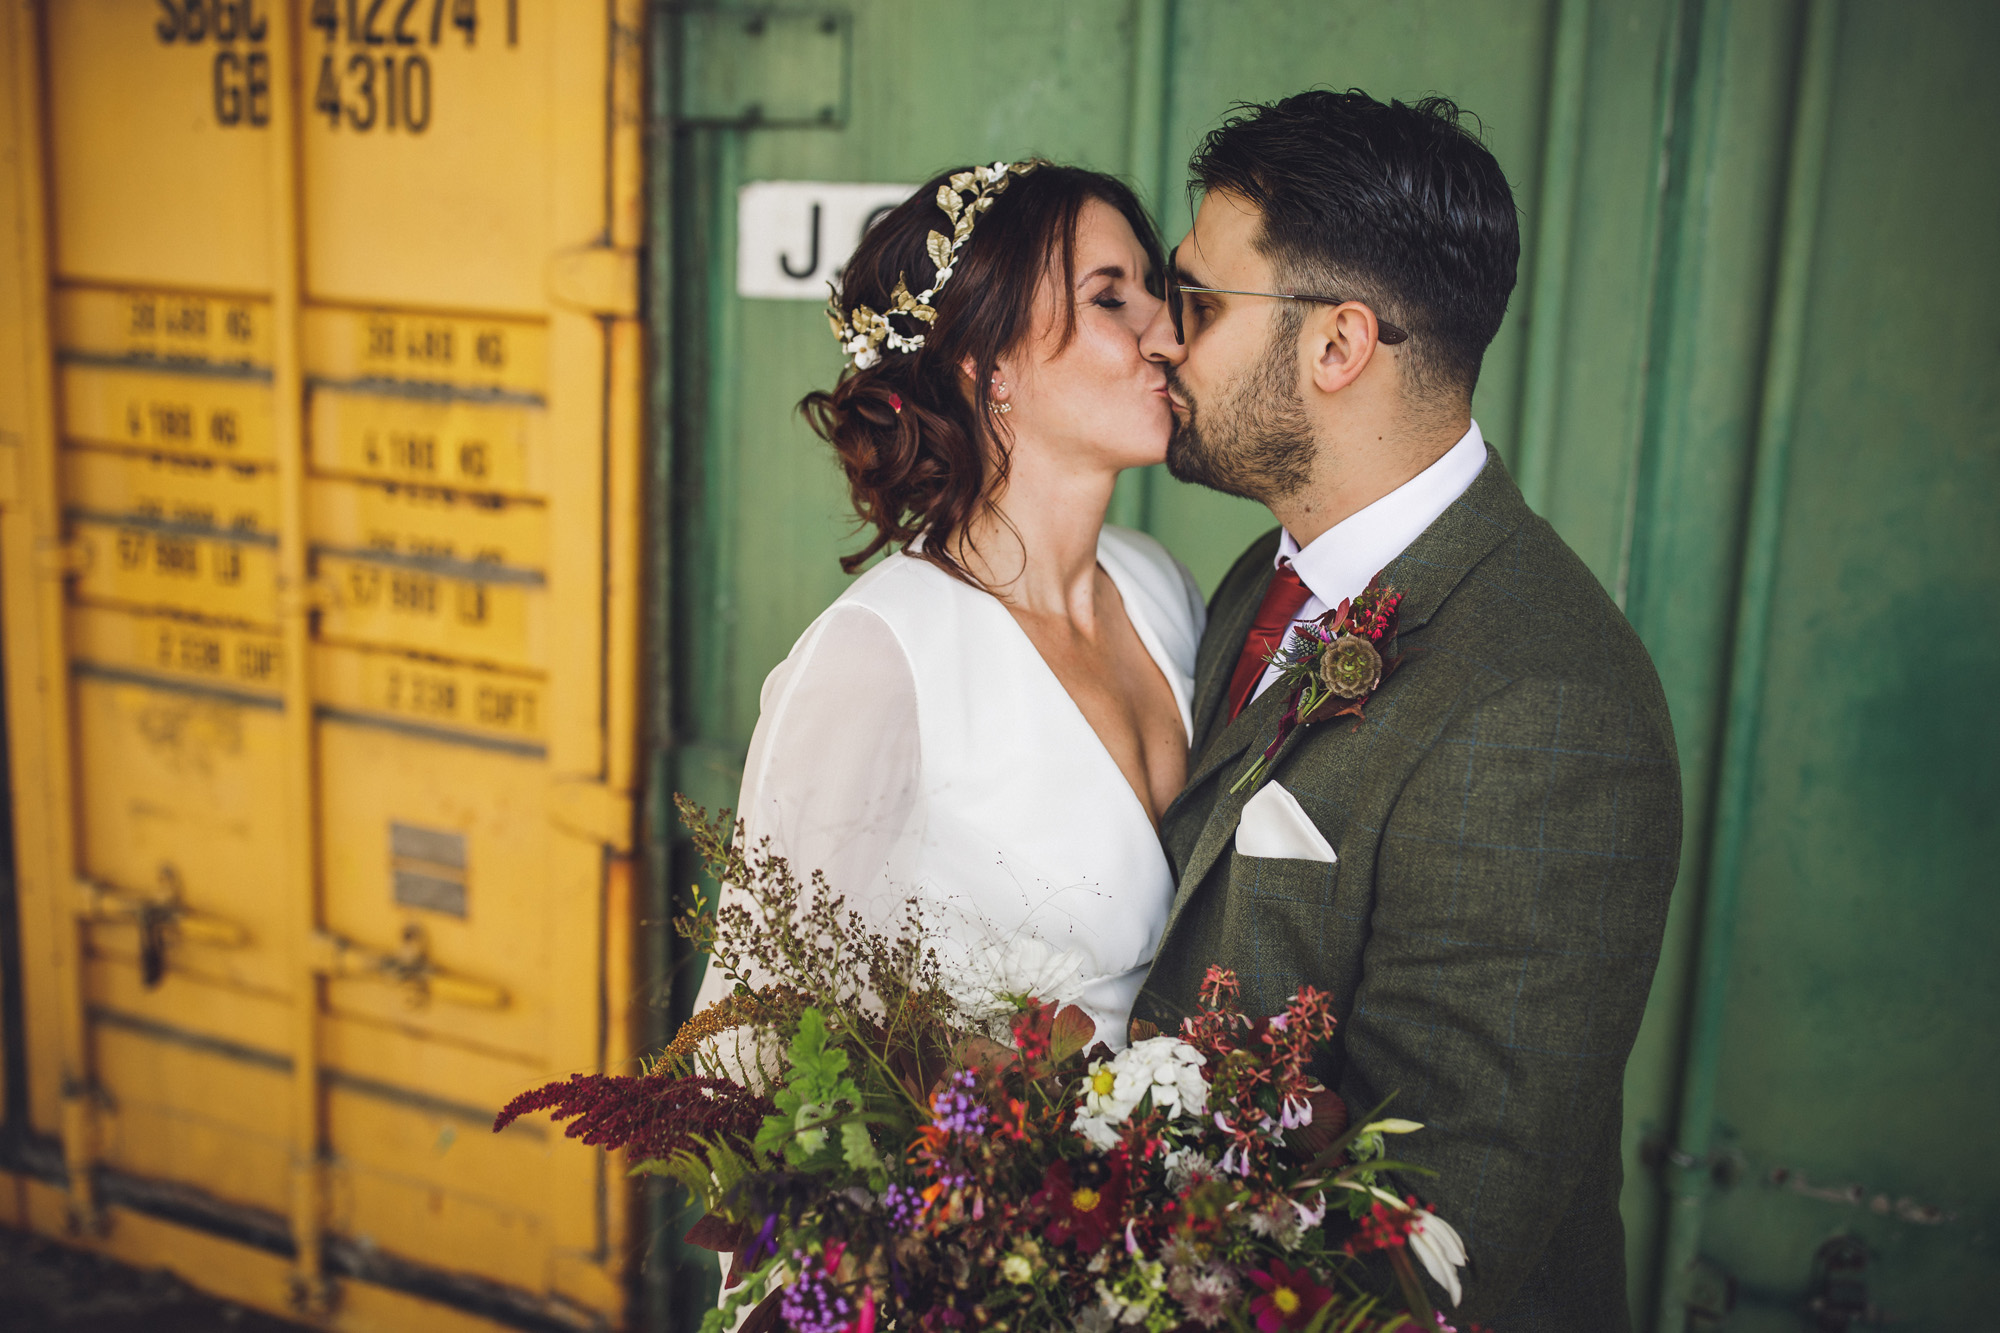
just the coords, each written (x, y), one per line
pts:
(1341, 560)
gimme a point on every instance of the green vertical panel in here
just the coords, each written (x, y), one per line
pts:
(1612, 262)
(1863, 993)
(1723, 104)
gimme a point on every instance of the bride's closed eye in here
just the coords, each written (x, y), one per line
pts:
(1108, 299)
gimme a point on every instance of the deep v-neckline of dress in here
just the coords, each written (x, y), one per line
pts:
(1148, 639)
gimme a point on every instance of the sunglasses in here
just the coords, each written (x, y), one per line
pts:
(1385, 331)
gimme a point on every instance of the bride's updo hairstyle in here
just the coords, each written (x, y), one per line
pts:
(922, 452)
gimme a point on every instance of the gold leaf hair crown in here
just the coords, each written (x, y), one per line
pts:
(962, 198)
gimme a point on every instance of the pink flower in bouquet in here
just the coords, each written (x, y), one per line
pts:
(1291, 1297)
(1083, 1210)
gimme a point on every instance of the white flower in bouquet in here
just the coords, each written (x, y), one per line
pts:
(1207, 1291)
(1167, 1068)
(1095, 1319)
(997, 976)
(1435, 1242)
(1279, 1222)
(1186, 1166)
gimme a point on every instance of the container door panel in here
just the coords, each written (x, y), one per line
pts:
(1863, 992)
(338, 363)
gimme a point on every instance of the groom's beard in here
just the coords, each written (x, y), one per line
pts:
(1257, 442)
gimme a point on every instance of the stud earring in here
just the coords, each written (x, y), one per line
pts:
(999, 407)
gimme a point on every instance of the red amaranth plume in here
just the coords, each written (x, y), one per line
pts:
(654, 1115)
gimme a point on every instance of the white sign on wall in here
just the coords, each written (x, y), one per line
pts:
(793, 237)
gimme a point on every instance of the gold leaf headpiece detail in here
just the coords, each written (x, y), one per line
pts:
(962, 198)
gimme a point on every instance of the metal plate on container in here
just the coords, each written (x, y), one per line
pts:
(764, 67)
(154, 564)
(417, 519)
(153, 324)
(486, 704)
(217, 413)
(442, 440)
(475, 612)
(174, 647)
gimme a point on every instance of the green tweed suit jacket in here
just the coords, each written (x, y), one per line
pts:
(1508, 822)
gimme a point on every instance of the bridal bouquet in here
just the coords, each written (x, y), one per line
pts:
(876, 1155)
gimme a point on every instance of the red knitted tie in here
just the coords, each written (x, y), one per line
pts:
(1275, 614)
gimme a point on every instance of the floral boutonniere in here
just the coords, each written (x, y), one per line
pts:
(1332, 665)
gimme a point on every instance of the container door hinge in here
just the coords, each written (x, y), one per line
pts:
(1838, 1300)
(597, 280)
(409, 967)
(305, 598)
(1710, 1296)
(314, 1298)
(593, 812)
(163, 919)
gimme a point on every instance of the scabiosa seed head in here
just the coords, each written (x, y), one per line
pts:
(1350, 667)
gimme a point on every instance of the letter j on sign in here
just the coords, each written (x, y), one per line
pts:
(794, 237)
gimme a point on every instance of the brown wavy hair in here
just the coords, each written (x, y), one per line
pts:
(921, 451)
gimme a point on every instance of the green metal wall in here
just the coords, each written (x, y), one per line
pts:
(1745, 374)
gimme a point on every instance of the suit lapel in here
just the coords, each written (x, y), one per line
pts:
(1426, 573)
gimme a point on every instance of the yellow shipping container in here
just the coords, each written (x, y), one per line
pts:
(320, 671)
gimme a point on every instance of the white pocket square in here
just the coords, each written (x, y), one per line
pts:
(1274, 824)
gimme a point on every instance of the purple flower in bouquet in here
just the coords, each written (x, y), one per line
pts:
(954, 1109)
(905, 1206)
(812, 1304)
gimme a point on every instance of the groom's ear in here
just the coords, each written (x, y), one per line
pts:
(1338, 342)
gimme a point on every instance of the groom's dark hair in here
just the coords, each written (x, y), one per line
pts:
(1394, 204)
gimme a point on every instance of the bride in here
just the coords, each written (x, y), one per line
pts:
(992, 719)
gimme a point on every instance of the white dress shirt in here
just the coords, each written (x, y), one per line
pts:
(1342, 559)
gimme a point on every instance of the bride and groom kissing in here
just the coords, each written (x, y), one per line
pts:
(1094, 785)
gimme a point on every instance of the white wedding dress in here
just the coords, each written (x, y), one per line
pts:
(915, 745)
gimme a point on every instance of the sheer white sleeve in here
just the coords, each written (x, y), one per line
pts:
(832, 773)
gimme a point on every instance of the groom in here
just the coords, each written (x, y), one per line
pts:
(1477, 868)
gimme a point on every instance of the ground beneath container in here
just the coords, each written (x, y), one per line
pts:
(50, 1288)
